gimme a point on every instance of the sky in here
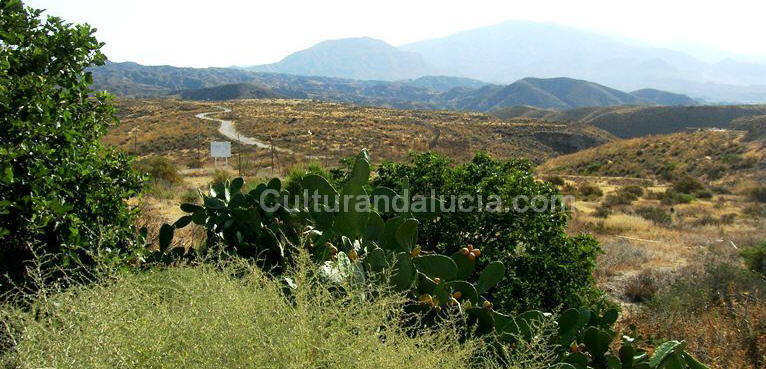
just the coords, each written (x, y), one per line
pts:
(238, 32)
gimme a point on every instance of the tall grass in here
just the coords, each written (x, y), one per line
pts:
(232, 317)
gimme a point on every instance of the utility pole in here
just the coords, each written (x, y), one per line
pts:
(239, 154)
(198, 143)
(135, 143)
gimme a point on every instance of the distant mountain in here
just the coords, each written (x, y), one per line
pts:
(517, 49)
(355, 58)
(132, 79)
(433, 92)
(663, 97)
(553, 93)
(445, 83)
(232, 92)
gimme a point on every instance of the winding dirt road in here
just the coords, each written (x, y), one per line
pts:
(227, 129)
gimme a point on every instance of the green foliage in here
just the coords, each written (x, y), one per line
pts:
(755, 257)
(556, 180)
(758, 194)
(688, 185)
(61, 191)
(546, 267)
(255, 224)
(589, 192)
(159, 168)
(656, 214)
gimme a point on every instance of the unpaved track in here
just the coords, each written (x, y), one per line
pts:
(227, 129)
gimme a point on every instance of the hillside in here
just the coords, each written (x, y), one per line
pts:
(333, 130)
(636, 121)
(231, 92)
(353, 58)
(658, 97)
(709, 155)
(445, 83)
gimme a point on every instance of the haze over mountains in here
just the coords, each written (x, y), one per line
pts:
(515, 50)
(430, 92)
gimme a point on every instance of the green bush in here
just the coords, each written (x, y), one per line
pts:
(755, 257)
(220, 177)
(548, 269)
(294, 178)
(688, 185)
(636, 191)
(672, 197)
(61, 192)
(758, 194)
(589, 192)
(655, 214)
(159, 168)
(556, 180)
(233, 317)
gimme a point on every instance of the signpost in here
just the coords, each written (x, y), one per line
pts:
(220, 149)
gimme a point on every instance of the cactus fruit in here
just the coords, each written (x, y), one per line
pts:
(465, 251)
(487, 304)
(415, 252)
(353, 255)
(457, 295)
(437, 280)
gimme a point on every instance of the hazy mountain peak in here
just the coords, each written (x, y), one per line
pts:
(355, 58)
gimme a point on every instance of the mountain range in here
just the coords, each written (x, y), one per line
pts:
(429, 92)
(514, 50)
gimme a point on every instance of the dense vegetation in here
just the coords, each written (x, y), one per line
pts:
(547, 268)
(62, 194)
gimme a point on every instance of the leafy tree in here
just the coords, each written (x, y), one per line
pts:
(546, 268)
(61, 192)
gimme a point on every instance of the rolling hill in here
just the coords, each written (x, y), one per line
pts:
(231, 92)
(353, 58)
(636, 121)
(709, 155)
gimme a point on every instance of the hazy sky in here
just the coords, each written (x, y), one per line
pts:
(240, 32)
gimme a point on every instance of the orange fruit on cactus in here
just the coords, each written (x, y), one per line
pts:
(457, 295)
(477, 252)
(465, 251)
(471, 256)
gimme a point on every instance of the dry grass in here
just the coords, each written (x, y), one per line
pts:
(168, 127)
(235, 317)
(722, 157)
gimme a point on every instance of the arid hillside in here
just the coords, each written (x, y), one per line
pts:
(715, 156)
(331, 131)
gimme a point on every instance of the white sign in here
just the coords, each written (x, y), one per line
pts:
(220, 149)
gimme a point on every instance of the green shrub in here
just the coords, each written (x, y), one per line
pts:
(688, 185)
(655, 214)
(159, 169)
(548, 267)
(61, 192)
(589, 192)
(206, 317)
(755, 257)
(294, 178)
(671, 197)
(190, 196)
(602, 212)
(556, 180)
(757, 194)
(220, 177)
(636, 191)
